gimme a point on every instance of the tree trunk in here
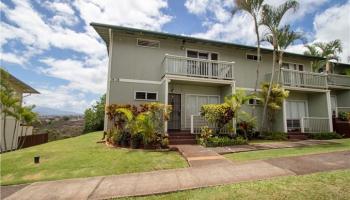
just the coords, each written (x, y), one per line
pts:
(24, 139)
(13, 136)
(280, 63)
(18, 145)
(327, 66)
(269, 90)
(258, 61)
(4, 132)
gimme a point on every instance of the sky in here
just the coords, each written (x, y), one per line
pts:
(51, 46)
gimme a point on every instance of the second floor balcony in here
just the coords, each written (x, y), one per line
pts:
(299, 79)
(195, 67)
(336, 80)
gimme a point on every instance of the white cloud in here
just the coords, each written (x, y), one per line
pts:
(59, 98)
(133, 13)
(38, 33)
(240, 27)
(87, 76)
(333, 24)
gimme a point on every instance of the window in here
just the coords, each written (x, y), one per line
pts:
(148, 96)
(252, 57)
(254, 102)
(202, 55)
(148, 43)
(293, 66)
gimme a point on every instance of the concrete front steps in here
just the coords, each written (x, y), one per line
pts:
(182, 137)
(297, 136)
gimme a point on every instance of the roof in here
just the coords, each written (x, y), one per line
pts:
(17, 83)
(103, 31)
(341, 64)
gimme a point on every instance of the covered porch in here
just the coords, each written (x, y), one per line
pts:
(307, 112)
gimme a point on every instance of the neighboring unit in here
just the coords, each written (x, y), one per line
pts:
(188, 72)
(20, 88)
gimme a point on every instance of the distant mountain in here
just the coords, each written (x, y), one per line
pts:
(45, 111)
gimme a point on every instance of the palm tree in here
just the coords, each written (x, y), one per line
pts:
(253, 7)
(329, 51)
(271, 18)
(285, 38)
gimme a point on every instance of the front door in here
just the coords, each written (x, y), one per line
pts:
(174, 122)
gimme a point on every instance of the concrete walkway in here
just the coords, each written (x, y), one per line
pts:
(181, 179)
(269, 145)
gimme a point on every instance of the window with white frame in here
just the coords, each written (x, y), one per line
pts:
(146, 96)
(148, 43)
(252, 57)
(254, 102)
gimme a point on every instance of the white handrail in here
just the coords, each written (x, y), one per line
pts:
(314, 124)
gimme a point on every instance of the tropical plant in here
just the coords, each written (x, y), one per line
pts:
(329, 51)
(253, 7)
(271, 18)
(10, 104)
(274, 100)
(236, 101)
(94, 116)
(28, 118)
(218, 115)
(285, 37)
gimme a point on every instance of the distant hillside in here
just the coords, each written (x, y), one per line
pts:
(45, 111)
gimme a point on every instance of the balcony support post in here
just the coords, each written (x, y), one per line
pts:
(166, 101)
(329, 109)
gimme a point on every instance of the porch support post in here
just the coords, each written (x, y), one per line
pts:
(166, 101)
(233, 88)
(284, 109)
(329, 110)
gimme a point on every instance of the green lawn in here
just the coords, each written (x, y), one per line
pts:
(344, 144)
(81, 157)
(325, 185)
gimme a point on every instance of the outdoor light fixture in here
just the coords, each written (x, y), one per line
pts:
(36, 159)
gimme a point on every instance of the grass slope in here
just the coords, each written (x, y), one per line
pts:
(81, 157)
(344, 144)
(319, 186)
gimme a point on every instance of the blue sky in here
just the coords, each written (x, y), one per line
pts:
(50, 45)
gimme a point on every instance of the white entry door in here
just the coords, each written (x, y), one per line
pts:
(194, 104)
(295, 111)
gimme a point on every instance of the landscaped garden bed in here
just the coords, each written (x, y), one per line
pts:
(138, 127)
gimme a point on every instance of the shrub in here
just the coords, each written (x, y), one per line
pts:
(275, 136)
(136, 140)
(324, 136)
(217, 114)
(344, 116)
(225, 141)
(94, 116)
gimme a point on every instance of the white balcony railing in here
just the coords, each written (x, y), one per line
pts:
(197, 122)
(338, 80)
(314, 124)
(295, 78)
(180, 65)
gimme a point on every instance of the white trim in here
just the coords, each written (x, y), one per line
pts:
(284, 109)
(305, 89)
(146, 92)
(249, 89)
(166, 101)
(196, 79)
(149, 40)
(139, 81)
(109, 82)
(328, 95)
